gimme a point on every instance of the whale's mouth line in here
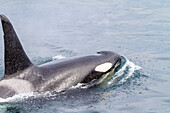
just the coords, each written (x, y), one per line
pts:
(108, 75)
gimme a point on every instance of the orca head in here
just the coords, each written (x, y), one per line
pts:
(105, 69)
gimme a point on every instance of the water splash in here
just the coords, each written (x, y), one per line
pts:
(125, 71)
(58, 57)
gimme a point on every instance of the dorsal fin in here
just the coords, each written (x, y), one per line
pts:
(15, 57)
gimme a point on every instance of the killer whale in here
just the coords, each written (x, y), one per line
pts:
(22, 76)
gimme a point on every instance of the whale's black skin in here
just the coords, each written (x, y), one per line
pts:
(21, 76)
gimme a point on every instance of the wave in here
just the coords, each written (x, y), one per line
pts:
(125, 71)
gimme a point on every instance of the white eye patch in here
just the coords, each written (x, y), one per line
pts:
(103, 67)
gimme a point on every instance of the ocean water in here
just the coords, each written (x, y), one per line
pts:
(139, 30)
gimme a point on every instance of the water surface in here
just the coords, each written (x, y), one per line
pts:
(138, 30)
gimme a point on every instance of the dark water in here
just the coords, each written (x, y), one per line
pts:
(136, 29)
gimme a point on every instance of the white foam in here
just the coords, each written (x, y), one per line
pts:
(58, 57)
(80, 85)
(129, 67)
(18, 97)
(24, 96)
